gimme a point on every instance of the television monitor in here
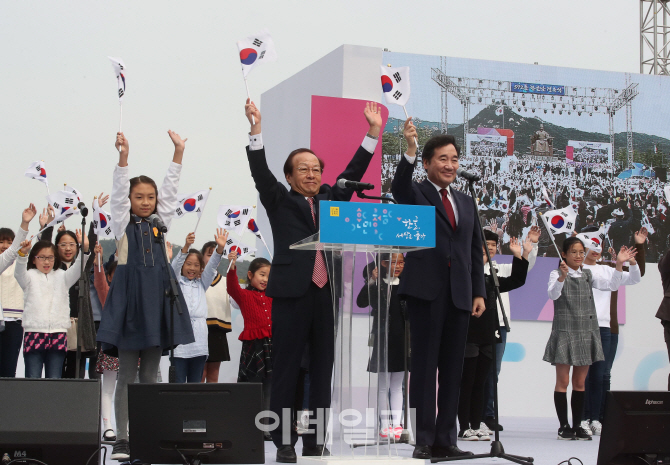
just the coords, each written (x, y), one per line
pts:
(209, 423)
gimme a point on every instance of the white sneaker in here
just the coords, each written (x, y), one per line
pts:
(586, 427)
(469, 435)
(596, 427)
(483, 435)
(483, 427)
(303, 424)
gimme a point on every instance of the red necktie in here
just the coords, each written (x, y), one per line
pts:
(320, 274)
(449, 208)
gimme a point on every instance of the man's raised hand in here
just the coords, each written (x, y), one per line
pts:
(373, 116)
(411, 136)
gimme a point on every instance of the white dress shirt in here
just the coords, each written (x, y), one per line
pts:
(602, 298)
(600, 281)
(449, 193)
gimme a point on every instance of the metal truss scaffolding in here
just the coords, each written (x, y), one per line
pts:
(654, 37)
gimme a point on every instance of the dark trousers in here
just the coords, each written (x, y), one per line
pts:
(70, 365)
(595, 381)
(489, 393)
(438, 333)
(296, 322)
(471, 400)
(10, 346)
(189, 370)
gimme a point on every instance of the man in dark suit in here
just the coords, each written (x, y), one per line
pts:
(443, 287)
(302, 311)
(663, 312)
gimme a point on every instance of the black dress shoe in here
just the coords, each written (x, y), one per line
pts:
(317, 451)
(286, 454)
(492, 424)
(450, 451)
(422, 452)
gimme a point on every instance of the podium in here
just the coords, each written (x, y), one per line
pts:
(375, 233)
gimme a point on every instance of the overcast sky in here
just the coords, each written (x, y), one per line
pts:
(59, 98)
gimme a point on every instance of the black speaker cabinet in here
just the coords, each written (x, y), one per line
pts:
(56, 421)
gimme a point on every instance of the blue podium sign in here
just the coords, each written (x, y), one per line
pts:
(376, 224)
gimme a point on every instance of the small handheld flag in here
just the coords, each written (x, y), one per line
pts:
(234, 217)
(37, 170)
(102, 223)
(236, 245)
(120, 72)
(395, 84)
(561, 221)
(191, 203)
(253, 227)
(256, 49)
(60, 217)
(64, 200)
(553, 239)
(593, 240)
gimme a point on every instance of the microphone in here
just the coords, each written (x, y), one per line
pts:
(358, 186)
(157, 223)
(472, 177)
(83, 210)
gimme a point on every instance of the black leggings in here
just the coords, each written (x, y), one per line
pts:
(471, 400)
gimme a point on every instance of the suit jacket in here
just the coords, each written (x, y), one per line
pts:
(423, 276)
(664, 267)
(291, 221)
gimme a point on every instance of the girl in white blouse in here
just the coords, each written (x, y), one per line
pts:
(194, 280)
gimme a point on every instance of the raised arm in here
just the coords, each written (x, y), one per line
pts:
(533, 236)
(401, 186)
(167, 195)
(361, 159)
(9, 255)
(21, 268)
(73, 273)
(209, 273)
(99, 277)
(270, 191)
(640, 239)
(120, 201)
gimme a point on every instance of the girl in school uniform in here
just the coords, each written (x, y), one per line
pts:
(136, 316)
(575, 336)
(46, 312)
(11, 295)
(194, 279)
(256, 309)
(218, 321)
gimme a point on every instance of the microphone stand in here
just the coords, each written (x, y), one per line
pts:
(80, 300)
(363, 195)
(172, 292)
(497, 449)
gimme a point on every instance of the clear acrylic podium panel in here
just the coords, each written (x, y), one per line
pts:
(360, 406)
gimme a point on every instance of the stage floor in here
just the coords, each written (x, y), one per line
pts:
(528, 437)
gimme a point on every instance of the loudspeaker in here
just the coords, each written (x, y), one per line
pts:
(56, 421)
(661, 173)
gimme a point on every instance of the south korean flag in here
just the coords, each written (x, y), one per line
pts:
(395, 84)
(64, 200)
(102, 222)
(234, 217)
(255, 50)
(561, 221)
(191, 203)
(120, 72)
(242, 249)
(38, 171)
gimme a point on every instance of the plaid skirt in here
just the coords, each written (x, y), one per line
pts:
(255, 360)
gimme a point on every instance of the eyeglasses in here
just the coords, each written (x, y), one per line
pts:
(303, 170)
(46, 259)
(67, 245)
(575, 253)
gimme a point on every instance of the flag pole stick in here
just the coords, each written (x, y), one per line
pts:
(120, 119)
(407, 116)
(229, 265)
(246, 85)
(201, 212)
(553, 240)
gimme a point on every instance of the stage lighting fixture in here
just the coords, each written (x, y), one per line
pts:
(574, 107)
(579, 113)
(583, 107)
(590, 114)
(574, 89)
(499, 83)
(518, 109)
(561, 99)
(481, 82)
(503, 102)
(616, 91)
(552, 112)
(533, 110)
(514, 102)
(523, 103)
(552, 97)
(569, 113)
(613, 113)
(480, 99)
(459, 79)
(560, 112)
(554, 105)
(592, 90)
(545, 112)
(525, 109)
(595, 108)
(563, 106)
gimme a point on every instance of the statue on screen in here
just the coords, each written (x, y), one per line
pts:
(541, 143)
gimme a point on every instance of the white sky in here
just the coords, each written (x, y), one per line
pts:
(59, 99)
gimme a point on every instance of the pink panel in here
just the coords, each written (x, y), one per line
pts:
(338, 127)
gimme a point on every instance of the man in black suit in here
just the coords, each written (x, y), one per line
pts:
(663, 312)
(302, 311)
(443, 287)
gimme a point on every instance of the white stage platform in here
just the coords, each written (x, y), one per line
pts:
(528, 437)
